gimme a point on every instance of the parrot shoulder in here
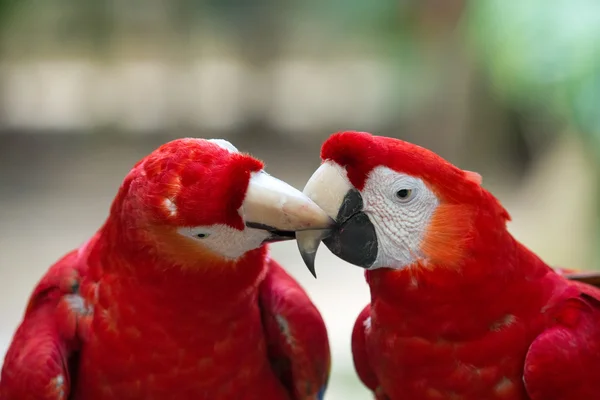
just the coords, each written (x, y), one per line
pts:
(562, 362)
(296, 335)
(40, 362)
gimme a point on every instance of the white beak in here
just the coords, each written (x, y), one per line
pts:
(273, 205)
(327, 187)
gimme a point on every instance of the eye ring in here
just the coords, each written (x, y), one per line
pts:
(405, 195)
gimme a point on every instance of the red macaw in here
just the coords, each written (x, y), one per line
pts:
(176, 297)
(459, 308)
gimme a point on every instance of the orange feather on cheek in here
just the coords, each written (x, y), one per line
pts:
(184, 251)
(448, 234)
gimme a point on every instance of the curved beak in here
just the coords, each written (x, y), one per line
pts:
(353, 238)
(273, 205)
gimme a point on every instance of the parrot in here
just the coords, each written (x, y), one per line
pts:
(459, 309)
(176, 295)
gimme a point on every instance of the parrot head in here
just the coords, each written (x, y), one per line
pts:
(194, 198)
(395, 204)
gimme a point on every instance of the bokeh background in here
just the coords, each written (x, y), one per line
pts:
(509, 89)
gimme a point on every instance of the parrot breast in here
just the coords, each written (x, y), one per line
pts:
(490, 367)
(165, 334)
(458, 334)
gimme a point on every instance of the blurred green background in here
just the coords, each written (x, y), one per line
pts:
(509, 89)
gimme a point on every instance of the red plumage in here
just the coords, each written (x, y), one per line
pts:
(479, 316)
(141, 313)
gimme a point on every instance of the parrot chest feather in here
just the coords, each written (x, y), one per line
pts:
(415, 367)
(473, 349)
(139, 348)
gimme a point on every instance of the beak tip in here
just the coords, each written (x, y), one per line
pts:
(309, 261)
(308, 244)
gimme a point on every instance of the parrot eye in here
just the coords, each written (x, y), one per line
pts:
(202, 235)
(405, 195)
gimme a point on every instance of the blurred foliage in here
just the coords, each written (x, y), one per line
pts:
(543, 55)
(6, 7)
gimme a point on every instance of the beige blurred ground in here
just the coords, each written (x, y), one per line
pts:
(55, 192)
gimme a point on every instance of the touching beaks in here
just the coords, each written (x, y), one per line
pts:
(273, 205)
(326, 187)
(353, 238)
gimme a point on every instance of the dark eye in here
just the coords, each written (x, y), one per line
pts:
(202, 235)
(405, 195)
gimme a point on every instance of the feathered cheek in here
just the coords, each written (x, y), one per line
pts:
(446, 235)
(180, 249)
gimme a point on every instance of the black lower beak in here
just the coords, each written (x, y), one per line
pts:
(355, 239)
(280, 236)
(275, 235)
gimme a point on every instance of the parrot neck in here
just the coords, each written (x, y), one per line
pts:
(486, 287)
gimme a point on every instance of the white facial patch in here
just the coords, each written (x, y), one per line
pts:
(224, 144)
(400, 208)
(224, 240)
